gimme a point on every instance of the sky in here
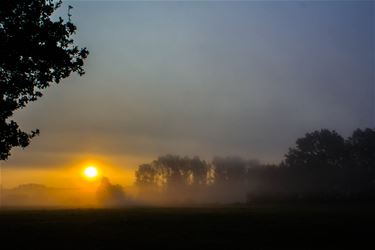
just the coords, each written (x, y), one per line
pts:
(204, 78)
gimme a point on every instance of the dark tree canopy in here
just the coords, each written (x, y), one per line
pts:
(319, 149)
(173, 177)
(36, 51)
(229, 170)
(322, 166)
(362, 148)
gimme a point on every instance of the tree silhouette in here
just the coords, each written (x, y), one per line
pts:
(323, 166)
(146, 175)
(318, 149)
(198, 171)
(360, 175)
(36, 51)
(362, 148)
(173, 176)
(229, 170)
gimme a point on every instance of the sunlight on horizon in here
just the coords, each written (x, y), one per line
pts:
(91, 172)
(72, 174)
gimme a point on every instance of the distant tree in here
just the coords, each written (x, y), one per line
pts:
(253, 163)
(36, 51)
(362, 148)
(176, 172)
(360, 173)
(315, 165)
(172, 170)
(110, 195)
(230, 178)
(198, 172)
(229, 170)
(146, 176)
(318, 149)
(179, 178)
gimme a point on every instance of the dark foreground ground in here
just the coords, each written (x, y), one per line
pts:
(258, 227)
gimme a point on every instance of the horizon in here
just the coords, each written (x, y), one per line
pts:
(198, 78)
(198, 124)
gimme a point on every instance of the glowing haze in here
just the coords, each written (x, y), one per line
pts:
(199, 78)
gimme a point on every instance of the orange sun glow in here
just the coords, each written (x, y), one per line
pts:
(91, 172)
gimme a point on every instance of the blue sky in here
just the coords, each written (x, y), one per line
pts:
(206, 78)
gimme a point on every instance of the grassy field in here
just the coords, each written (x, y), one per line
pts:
(258, 227)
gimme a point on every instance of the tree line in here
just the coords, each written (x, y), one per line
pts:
(322, 165)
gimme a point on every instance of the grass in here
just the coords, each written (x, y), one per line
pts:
(236, 227)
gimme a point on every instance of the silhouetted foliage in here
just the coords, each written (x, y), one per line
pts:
(173, 176)
(183, 179)
(36, 51)
(362, 148)
(322, 166)
(319, 149)
(146, 175)
(229, 170)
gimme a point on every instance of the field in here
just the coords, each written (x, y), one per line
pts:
(235, 227)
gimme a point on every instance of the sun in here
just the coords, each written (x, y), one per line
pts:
(91, 172)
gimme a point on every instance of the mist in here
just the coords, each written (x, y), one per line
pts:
(114, 195)
(101, 195)
(38, 195)
(321, 166)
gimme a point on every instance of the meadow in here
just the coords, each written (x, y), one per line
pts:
(214, 227)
